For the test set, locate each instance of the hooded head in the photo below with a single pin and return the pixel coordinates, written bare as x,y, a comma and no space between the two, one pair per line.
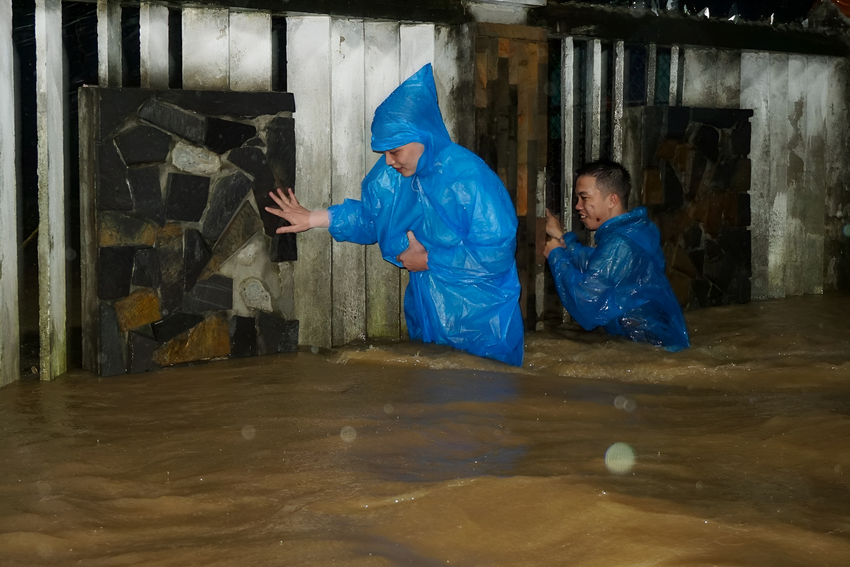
411,114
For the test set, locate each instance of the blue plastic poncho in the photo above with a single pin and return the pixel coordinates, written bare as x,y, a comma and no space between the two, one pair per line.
461,213
620,285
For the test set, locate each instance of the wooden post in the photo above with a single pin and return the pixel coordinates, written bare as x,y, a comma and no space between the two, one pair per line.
777,199
567,129
347,147
381,63
675,76
594,104
206,49
308,53
250,51
50,104
10,344
651,72
618,102
109,53
153,45
813,196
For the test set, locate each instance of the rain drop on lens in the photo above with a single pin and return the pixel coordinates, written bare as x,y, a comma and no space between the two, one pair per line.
619,458
348,434
248,432
388,408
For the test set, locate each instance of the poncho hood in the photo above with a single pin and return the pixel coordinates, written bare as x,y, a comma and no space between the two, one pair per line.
412,114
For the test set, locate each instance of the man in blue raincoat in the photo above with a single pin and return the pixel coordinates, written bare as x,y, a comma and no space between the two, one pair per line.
620,285
436,209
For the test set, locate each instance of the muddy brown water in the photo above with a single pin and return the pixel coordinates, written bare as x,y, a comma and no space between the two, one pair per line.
404,454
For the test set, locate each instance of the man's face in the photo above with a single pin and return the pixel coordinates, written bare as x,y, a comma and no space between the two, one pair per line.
594,206
404,158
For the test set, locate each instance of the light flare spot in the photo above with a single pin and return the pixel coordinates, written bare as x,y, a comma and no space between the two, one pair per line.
348,434
619,458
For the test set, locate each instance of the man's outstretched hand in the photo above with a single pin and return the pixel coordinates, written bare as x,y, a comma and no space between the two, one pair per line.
415,258
300,218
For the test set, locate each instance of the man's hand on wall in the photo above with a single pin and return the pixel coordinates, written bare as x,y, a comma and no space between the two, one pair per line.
300,218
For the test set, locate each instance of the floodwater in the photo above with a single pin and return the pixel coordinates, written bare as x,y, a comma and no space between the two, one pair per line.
734,452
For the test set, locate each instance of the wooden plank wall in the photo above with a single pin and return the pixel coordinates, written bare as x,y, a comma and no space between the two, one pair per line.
511,134
10,343
345,292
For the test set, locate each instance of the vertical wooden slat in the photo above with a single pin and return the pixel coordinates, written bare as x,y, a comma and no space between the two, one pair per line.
675,77
10,344
567,129
153,45
795,154
109,52
206,49
308,54
651,72
777,200
454,65
519,67
594,103
347,145
837,173
728,74
416,48
755,94
50,105
88,227
815,181
381,55
250,51
618,102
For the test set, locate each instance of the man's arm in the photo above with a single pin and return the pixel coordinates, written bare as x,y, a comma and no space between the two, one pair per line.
587,279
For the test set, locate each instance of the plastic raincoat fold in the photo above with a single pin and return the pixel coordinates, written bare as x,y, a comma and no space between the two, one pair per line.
621,285
461,213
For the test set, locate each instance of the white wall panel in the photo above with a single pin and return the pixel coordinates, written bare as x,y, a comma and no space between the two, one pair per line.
250,51
153,45
206,49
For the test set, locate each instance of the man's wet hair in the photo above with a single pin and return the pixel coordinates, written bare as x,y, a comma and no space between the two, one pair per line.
611,177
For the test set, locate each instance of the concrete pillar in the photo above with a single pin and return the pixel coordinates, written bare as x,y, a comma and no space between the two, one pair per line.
50,104
10,345
206,49
675,76
618,102
308,51
153,45
384,294
347,147
109,52
594,103
250,65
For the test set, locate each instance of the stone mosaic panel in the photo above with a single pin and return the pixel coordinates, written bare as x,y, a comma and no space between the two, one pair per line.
696,182
186,261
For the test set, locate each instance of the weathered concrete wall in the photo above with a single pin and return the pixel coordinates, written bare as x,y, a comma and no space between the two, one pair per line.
9,333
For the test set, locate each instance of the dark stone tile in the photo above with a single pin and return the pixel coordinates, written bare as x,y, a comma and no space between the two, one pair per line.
147,192
145,331
674,197
139,308
280,134
146,268
196,254
284,248
112,355
716,297
744,215
697,172
244,105
212,294
707,140
223,135
275,334
141,352
698,260
115,228
739,289
225,197
723,173
678,118
116,105
209,339
737,243
741,176
692,237
243,337
143,144
114,271
245,224
712,249
653,123
254,162
187,197
174,325
700,289
740,139
256,141
169,250
113,191
188,125
719,271
720,117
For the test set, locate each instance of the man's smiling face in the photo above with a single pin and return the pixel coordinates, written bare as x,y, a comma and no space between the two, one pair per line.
594,206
